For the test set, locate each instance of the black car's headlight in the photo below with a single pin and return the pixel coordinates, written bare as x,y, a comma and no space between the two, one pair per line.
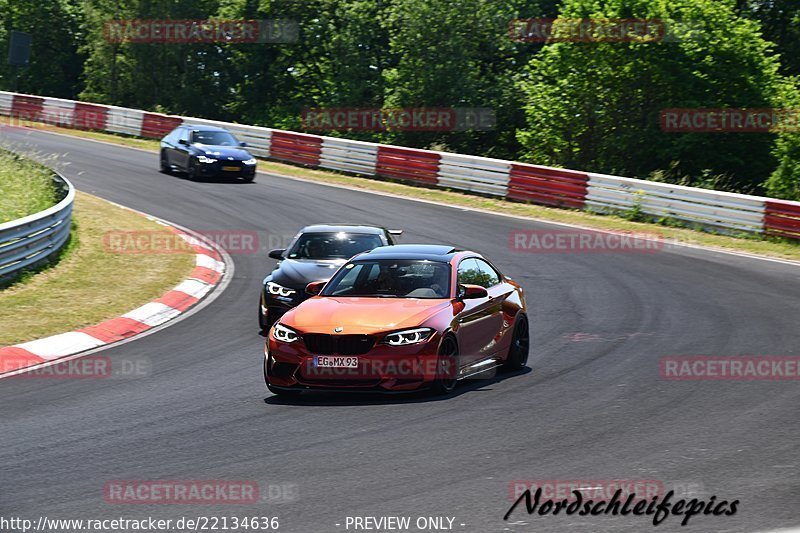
408,336
279,290
251,161
284,334
206,159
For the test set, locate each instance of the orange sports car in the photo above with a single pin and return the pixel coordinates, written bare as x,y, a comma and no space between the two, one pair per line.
400,318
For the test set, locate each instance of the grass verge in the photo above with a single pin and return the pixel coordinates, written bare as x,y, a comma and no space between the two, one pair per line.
91,282
769,247
26,187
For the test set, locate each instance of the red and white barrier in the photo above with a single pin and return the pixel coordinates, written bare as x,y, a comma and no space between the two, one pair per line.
206,274
508,179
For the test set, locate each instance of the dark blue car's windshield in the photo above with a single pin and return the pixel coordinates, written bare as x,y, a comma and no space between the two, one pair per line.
340,245
216,138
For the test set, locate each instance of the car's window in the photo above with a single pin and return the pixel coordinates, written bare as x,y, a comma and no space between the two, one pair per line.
490,276
183,134
172,138
477,272
215,138
340,245
391,278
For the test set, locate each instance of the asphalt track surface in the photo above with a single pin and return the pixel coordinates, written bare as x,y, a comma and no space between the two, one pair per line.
592,407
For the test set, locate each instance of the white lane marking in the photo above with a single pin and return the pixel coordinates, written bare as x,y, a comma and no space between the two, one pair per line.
203,260
153,313
193,287
219,288
60,345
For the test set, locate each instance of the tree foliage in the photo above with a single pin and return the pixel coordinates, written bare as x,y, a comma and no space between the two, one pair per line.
593,106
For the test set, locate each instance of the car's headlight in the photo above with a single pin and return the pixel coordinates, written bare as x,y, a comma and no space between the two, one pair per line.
408,336
284,334
204,159
250,161
279,290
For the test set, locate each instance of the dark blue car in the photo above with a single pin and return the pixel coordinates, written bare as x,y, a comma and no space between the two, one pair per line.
206,152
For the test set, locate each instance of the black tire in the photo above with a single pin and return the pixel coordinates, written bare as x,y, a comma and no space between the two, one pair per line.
164,167
191,170
263,324
275,390
249,179
520,345
446,367
265,321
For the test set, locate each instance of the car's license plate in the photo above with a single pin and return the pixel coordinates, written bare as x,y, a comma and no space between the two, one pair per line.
335,361
231,169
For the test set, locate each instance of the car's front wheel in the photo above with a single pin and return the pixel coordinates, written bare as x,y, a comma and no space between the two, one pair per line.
191,170
446,366
520,345
164,164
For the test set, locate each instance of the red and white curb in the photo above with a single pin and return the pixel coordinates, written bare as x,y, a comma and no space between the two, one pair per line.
211,266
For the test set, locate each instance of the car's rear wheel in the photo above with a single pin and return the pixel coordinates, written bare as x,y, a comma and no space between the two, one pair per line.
163,164
446,366
275,390
520,345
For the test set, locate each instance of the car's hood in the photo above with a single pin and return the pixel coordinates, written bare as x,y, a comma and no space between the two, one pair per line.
322,314
224,152
297,274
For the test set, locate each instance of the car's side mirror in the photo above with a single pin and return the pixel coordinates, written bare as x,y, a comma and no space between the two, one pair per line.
184,142
315,287
277,253
242,144
471,292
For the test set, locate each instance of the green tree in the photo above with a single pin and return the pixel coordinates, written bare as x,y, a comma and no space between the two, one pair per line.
55,63
784,182
596,105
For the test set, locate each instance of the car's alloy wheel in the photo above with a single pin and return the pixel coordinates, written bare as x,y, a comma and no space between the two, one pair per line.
520,345
446,366
165,168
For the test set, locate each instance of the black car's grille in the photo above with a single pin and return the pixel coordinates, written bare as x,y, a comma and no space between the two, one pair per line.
322,344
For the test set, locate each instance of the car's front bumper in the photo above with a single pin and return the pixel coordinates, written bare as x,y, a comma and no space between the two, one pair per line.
384,368
231,169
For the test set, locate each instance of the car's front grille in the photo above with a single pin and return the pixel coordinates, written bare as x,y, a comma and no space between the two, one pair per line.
322,344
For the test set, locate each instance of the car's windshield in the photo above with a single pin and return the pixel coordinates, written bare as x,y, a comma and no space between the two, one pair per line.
338,245
391,279
216,138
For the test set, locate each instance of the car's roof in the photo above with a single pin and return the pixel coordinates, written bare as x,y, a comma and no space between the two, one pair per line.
201,127
344,228
433,252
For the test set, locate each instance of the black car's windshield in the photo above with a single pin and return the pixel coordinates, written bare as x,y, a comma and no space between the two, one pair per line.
339,245
216,138
391,279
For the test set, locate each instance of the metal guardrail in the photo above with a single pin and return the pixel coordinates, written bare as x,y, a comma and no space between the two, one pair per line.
720,211
28,242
